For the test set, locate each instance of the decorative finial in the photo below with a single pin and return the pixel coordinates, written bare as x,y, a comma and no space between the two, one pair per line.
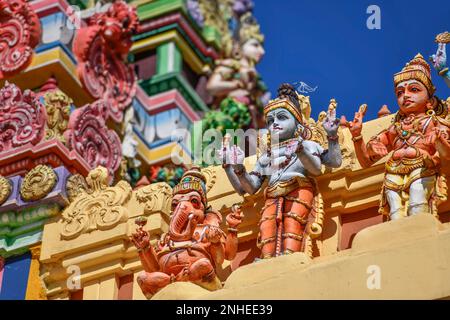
384,111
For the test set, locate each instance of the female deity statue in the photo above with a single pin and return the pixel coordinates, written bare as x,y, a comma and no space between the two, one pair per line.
418,137
235,79
289,213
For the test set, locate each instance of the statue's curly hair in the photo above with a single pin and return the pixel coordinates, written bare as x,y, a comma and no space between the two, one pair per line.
287,91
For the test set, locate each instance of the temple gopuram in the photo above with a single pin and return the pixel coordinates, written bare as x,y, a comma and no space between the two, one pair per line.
104,108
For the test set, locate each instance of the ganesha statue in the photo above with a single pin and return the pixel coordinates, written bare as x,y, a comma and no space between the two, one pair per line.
419,141
195,244
292,214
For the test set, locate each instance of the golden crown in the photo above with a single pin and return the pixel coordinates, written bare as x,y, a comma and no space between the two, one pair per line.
192,180
417,69
283,103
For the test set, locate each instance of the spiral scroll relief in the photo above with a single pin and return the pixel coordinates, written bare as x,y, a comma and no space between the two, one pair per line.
38,183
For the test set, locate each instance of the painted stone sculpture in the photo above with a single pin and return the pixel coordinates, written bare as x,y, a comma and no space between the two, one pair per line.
89,136
235,80
101,48
418,138
58,105
439,59
195,243
22,118
20,33
291,215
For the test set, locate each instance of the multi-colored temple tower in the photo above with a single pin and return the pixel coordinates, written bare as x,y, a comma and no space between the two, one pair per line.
96,96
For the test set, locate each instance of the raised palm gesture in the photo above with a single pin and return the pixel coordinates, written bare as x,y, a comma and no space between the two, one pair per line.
355,126
330,123
439,59
232,155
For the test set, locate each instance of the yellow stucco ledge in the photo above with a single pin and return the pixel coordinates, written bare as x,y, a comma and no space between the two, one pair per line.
404,259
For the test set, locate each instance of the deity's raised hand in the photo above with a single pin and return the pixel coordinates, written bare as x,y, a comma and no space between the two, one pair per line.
355,126
439,59
230,155
234,218
140,238
330,123
377,149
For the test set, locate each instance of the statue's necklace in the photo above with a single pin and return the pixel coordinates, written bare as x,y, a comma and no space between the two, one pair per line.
405,133
290,145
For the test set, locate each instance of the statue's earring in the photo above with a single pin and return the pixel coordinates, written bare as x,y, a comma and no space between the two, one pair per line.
298,132
430,107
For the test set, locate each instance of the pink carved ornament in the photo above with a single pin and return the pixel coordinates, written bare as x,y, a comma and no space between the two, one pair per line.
22,117
20,32
89,136
101,49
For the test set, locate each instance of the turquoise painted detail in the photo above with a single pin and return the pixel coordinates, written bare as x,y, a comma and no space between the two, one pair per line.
20,244
19,230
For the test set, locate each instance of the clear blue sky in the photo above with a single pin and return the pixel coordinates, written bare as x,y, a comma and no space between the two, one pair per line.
326,43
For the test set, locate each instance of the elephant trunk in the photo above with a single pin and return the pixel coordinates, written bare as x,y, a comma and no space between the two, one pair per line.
183,222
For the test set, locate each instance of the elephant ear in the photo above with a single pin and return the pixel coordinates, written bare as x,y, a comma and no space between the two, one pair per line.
213,217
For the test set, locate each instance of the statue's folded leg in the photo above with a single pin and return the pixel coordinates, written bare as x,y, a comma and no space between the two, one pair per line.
297,207
201,269
202,273
152,282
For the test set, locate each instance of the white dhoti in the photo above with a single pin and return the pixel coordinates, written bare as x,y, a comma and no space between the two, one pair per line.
409,194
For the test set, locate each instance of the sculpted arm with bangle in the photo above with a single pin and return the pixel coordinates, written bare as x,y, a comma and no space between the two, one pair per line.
376,148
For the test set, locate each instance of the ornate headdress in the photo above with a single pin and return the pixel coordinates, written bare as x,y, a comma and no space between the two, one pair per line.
249,29
287,99
192,180
417,69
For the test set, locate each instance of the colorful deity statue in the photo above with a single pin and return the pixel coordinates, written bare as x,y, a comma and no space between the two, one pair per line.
290,216
418,137
235,79
439,59
195,244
